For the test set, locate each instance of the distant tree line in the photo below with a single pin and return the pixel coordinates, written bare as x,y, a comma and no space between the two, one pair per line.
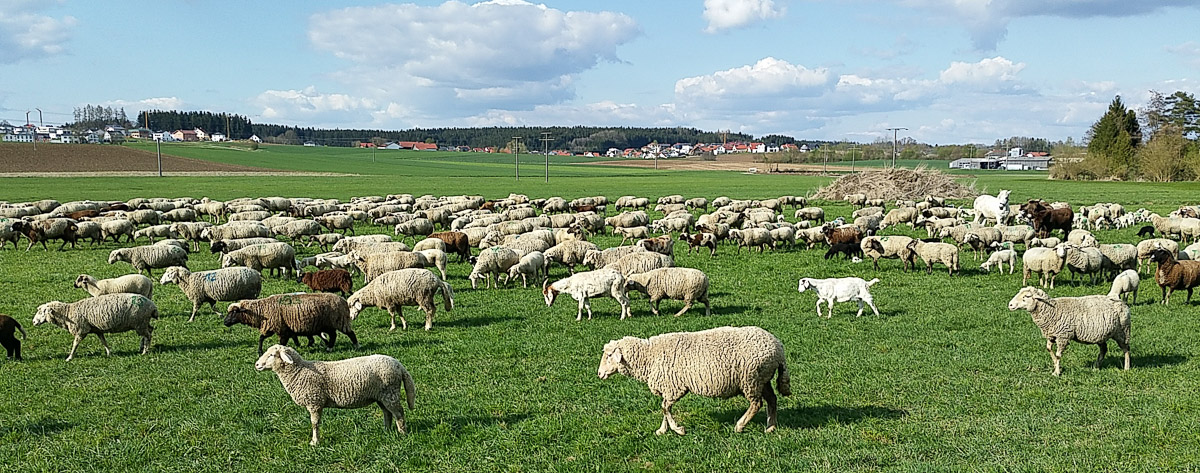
93,117
235,127
1159,145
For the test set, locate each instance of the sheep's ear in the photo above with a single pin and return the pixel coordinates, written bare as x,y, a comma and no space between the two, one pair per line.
285,357
616,356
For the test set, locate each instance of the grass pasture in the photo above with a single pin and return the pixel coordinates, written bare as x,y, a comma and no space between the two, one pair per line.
947,379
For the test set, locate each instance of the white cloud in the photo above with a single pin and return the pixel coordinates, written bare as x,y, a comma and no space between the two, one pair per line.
153,103
996,74
726,14
1189,51
309,105
26,34
744,87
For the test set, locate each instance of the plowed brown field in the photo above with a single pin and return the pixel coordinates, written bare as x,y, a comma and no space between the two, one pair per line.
81,159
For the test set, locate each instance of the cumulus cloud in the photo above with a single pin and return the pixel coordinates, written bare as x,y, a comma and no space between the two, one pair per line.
479,52
1189,51
746,86
727,14
309,105
987,21
27,34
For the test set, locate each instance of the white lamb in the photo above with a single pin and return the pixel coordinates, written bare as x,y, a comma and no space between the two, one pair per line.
1125,283
840,290
532,263
999,258
584,285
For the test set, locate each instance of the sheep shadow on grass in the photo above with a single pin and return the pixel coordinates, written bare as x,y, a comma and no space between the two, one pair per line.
1145,361
811,417
41,428
476,321
457,423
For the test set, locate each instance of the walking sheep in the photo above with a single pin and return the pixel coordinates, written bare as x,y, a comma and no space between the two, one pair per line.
131,283
586,285
329,280
347,384
1047,262
569,253
8,328
840,290
149,257
109,313
720,363
278,257
405,287
640,262
532,264
999,258
294,315
218,285
931,253
491,264
680,284
891,247
1088,319
1175,275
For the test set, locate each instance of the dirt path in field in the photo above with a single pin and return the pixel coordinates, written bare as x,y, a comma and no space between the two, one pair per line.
79,160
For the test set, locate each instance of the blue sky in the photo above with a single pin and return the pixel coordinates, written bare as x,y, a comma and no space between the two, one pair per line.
952,71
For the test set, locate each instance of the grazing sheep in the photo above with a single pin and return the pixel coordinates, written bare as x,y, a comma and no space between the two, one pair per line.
329,280
891,247
1088,319
1173,275
343,222
680,284
108,313
596,259
569,253
1082,238
234,231
131,283
149,257
999,258
857,200
1084,260
835,233
118,228
394,289
157,231
1118,257
190,231
930,253
1047,262
752,237
297,229
374,264
294,315
532,263
348,244
226,246
413,228
1050,242
664,245
640,262
324,240
840,290
346,384
699,239
218,285
848,250
1125,283
1147,230
720,363
982,239
278,257
8,328
898,216
430,243
456,242
632,233
811,236
586,285
436,258
490,264
816,214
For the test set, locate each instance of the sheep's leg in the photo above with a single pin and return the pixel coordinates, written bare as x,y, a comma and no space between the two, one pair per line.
654,306
830,312
74,345
1166,291
329,342
768,394
314,416
1103,351
668,419
260,341
103,341
687,304
819,307
871,302
579,312
755,405
1061,346
195,308
1025,279
403,321
1125,348
860,308
587,304
387,415
429,311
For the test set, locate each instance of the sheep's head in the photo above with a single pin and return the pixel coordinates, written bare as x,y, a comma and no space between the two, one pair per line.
356,306
612,360
1027,298
236,314
549,293
805,284
1160,255
115,255
276,355
46,312
83,280
172,275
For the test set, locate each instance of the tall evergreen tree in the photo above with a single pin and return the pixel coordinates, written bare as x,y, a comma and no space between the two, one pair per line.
1113,140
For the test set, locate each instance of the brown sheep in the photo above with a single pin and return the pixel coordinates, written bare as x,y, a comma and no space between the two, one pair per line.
1175,275
700,239
294,315
1046,219
845,234
329,280
8,328
456,242
661,244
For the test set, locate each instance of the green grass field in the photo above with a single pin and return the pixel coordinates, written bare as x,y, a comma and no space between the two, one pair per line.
947,379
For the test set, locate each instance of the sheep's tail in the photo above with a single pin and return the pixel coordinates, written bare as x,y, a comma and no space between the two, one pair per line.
21,329
872,282
783,383
448,295
410,390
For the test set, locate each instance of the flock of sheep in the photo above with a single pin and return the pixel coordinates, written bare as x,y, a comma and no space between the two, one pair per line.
522,238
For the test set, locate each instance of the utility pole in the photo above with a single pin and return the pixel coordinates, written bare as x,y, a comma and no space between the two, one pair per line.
546,152
40,122
852,149
516,149
825,161
228,132
895,131
158,147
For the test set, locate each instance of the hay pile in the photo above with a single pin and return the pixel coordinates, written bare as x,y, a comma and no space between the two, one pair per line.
900,183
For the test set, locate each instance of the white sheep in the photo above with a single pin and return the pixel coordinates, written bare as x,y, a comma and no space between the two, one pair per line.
1047,262
840,290
149,257
1049,242
586,285
632,233
430,243
348,384
681,284
108,313
532,263
394,289
491,264
930,253
569,253
131,283
890,247
277,257
596,259
999,258
218,285
434,257
640,262
1125,283
721,363
1088,319
156,231
1084,260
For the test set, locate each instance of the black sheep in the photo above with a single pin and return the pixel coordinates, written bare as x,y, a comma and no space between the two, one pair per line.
846,249
1146,230
8,328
